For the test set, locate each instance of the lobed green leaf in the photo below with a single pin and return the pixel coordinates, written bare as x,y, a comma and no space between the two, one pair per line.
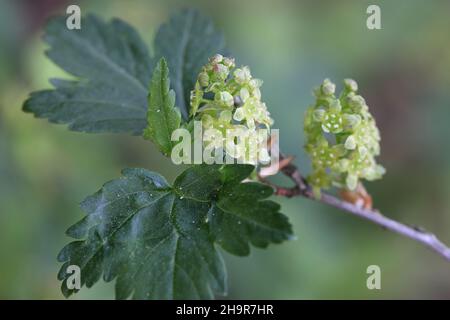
112,67
158,241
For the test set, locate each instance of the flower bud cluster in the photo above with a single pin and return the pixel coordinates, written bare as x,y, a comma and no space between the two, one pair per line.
342,138
229,98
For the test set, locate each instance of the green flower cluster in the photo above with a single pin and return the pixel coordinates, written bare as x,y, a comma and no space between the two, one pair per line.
229,98
342,138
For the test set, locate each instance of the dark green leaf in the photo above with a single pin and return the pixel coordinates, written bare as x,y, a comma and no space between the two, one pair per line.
241,215
235,174
162,116
199,182
157,241
187,41
113,69
154,241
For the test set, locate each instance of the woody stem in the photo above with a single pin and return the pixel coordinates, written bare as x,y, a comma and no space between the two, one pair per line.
301,188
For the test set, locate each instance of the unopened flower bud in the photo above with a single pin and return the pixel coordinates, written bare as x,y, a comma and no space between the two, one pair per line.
228,62
217,58
335,106
350,143
357,101
352,119
203,79
328,87
244,94
221,71
226,98
242,75
319,115
351,85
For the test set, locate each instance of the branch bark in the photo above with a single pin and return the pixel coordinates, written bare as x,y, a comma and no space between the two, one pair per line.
302,189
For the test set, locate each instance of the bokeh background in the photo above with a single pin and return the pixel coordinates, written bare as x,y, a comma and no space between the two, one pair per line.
402,70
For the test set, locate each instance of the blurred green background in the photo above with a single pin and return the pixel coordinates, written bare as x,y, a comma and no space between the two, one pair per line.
402,70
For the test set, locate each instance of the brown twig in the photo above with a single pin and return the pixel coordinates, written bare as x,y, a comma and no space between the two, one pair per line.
301,188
